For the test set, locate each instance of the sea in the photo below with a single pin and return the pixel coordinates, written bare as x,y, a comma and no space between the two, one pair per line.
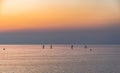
60,58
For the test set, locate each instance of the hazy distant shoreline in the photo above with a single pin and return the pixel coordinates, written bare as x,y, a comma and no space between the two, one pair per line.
58,44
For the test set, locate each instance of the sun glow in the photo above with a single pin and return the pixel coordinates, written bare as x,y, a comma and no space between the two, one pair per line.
52,14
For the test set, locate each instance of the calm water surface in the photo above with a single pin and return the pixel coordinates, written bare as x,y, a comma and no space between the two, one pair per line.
60,59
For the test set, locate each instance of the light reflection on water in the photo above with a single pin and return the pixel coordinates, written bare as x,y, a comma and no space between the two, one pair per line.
60,59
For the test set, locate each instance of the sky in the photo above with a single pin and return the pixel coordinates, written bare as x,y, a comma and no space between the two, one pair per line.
59,21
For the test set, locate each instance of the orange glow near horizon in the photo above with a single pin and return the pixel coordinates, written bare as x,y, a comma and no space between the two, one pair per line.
39,14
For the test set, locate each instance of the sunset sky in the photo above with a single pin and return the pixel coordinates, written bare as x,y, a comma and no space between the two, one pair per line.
28,19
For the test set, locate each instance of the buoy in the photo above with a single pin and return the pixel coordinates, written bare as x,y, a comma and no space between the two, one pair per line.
90,49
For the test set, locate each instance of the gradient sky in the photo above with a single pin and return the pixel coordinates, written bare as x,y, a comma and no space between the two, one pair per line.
59,21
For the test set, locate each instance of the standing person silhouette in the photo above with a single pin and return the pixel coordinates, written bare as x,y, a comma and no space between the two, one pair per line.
85,46
43,46
72,46
51,46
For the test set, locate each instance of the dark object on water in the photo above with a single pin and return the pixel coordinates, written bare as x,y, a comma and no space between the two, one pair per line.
72,47
43,46
85,46
51,46
90,49
3,48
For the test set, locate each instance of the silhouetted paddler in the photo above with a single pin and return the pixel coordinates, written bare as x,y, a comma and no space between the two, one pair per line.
51,46
72,46
43,46
85,46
